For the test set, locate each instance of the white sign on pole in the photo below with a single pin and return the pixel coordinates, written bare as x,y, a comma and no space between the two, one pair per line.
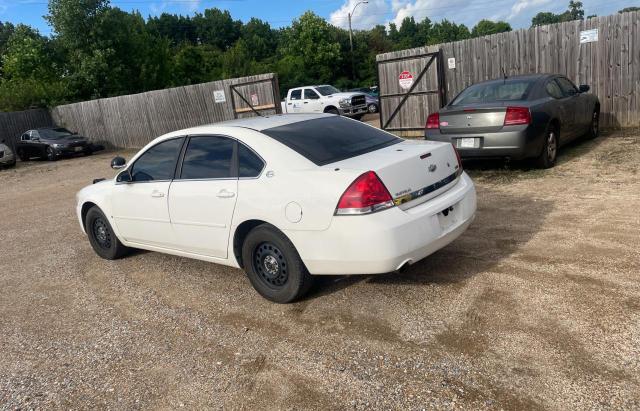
588,36
451,61
219,97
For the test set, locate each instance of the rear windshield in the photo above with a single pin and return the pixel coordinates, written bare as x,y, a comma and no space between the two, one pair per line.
509,90
330,139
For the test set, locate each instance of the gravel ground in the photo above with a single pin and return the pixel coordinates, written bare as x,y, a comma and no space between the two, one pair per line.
536,306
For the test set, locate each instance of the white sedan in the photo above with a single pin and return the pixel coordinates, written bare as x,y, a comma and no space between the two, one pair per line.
284,197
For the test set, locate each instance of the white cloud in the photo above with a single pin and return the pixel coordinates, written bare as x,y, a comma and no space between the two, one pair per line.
522,5
365,16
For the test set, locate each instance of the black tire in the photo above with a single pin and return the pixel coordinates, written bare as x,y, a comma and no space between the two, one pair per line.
274,266
22,154
549,154
333,111
358,117
372,108
101,236
594,127
51,154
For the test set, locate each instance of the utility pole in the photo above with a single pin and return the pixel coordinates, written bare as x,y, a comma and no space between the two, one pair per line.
353,69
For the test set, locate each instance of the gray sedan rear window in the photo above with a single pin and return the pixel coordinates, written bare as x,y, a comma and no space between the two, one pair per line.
330,139
509,90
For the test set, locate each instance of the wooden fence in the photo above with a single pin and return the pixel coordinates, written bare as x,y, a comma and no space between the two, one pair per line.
610,65
132,121
13,124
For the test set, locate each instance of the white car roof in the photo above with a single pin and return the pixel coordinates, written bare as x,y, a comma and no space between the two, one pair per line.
257,123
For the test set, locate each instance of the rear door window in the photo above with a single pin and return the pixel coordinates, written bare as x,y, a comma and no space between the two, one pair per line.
208,157
330,139
249,164
157,163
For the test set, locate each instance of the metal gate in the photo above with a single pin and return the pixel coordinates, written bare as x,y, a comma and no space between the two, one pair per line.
411,87
258,97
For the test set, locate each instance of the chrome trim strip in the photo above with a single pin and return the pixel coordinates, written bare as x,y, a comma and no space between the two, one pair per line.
428,189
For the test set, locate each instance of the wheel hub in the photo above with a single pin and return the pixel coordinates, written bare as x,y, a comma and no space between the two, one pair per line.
270,265
101,233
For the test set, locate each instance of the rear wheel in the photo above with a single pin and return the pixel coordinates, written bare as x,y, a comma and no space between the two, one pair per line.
22,153
547,157
274,266
594,128
101,236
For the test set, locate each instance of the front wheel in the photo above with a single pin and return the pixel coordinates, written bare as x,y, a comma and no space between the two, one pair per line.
22,154
51,154
333,111
274,266
101,236
372,108
547,157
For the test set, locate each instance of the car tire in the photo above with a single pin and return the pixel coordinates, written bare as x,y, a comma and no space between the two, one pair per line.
333,111
372,108
549,154
594,127
273,265
51,154
22,154
101,236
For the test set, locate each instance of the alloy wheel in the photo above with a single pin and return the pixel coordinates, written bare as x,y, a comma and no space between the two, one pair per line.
552,146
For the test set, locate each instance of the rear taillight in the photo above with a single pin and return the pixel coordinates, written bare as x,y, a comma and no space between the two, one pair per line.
367,194
459,169
516,116
433,121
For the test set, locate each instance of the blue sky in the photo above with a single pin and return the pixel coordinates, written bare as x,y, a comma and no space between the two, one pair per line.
281,12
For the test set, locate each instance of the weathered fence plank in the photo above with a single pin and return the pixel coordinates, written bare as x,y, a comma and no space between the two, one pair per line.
13,124
611,66
132,121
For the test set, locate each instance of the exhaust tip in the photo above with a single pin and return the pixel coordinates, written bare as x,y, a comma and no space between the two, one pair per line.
403,266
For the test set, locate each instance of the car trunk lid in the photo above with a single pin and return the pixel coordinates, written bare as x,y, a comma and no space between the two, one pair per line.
470,119
412,171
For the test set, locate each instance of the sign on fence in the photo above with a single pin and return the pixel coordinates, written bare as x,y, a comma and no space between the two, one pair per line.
588,36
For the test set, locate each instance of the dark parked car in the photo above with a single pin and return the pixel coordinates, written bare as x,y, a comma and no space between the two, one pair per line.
52,143
517,118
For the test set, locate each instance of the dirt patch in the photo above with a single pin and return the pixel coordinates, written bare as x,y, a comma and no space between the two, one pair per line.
537,305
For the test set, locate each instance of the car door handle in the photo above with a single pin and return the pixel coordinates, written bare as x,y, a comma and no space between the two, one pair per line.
225,194
156,193
306,102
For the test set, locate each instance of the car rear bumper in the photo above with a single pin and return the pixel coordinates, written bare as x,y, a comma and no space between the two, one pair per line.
385,241
68,151
517,143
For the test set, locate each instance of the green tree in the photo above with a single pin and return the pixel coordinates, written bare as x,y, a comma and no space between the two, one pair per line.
629,9
575,11
486,27
216,28
446,31
311,38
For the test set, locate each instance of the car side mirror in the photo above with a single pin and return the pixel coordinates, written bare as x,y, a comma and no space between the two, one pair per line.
118,162
584,88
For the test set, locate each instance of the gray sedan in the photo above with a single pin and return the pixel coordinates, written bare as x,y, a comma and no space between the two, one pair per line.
7,158
517,118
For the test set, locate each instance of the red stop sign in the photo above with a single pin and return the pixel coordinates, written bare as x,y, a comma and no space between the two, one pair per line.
405,79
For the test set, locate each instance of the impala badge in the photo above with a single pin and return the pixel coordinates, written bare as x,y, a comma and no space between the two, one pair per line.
432,168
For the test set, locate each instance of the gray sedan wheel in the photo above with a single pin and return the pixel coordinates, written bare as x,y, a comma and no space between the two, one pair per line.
547,158
594,128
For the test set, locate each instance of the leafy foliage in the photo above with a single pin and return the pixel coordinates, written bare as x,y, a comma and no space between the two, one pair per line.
99,50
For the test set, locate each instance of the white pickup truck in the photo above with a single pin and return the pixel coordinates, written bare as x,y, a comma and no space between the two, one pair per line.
325,99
